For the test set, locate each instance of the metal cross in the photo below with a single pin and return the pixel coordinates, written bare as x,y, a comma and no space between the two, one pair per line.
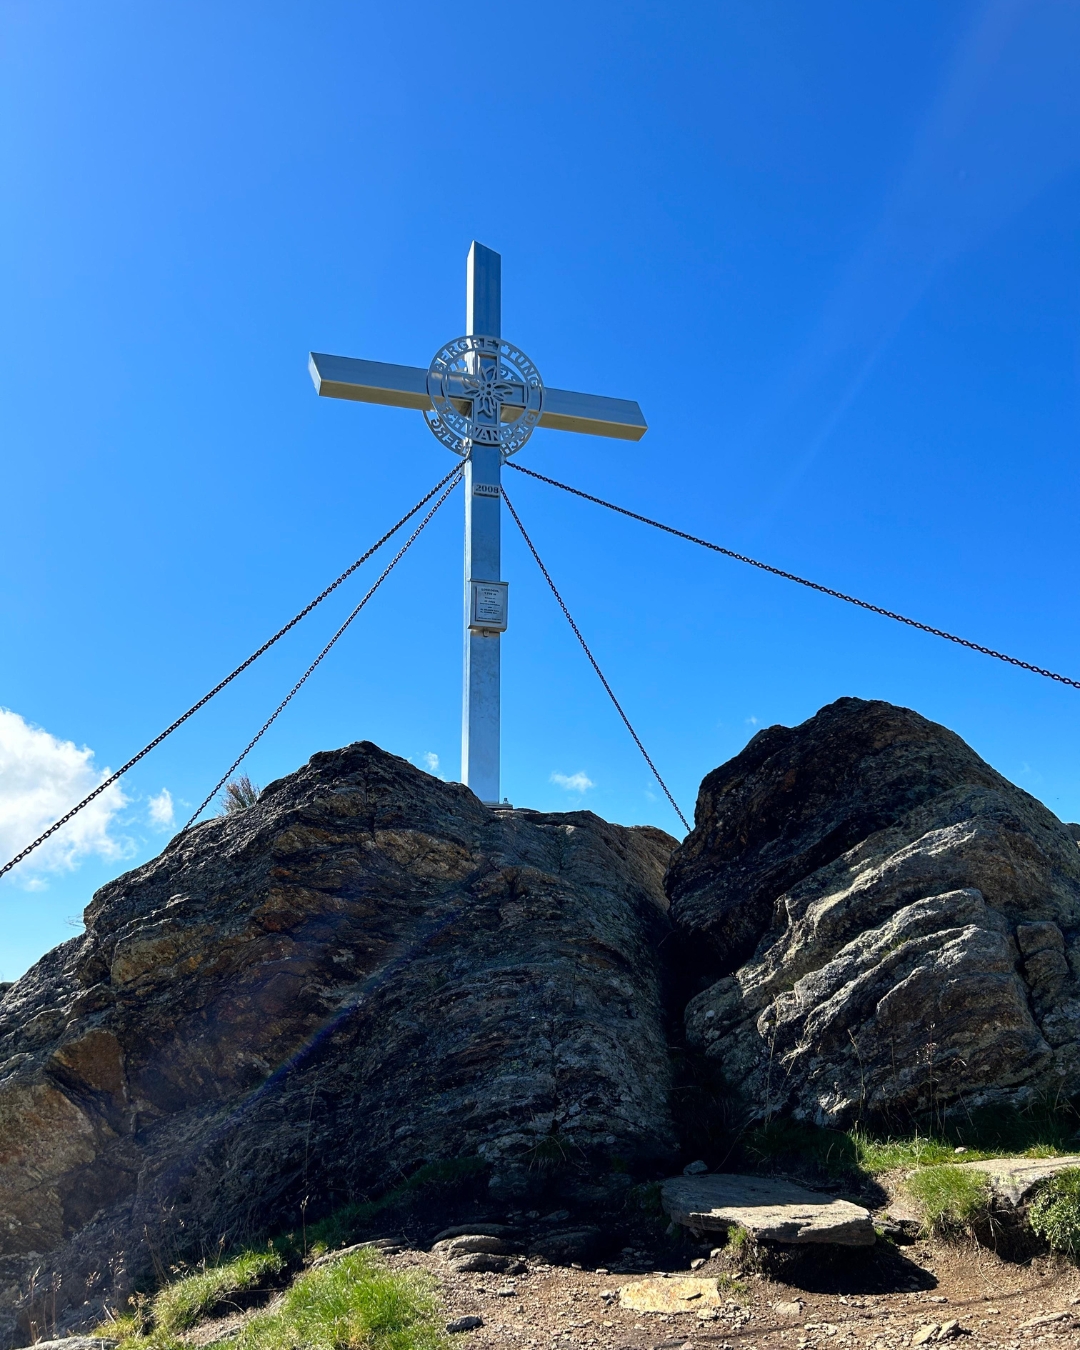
482,397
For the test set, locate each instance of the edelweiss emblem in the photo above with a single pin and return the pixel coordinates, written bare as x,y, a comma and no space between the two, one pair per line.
483,391
489,390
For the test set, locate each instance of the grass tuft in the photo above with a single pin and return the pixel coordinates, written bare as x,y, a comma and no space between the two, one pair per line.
738,1238
951,1198
742,1253
1055,1212
180,1305
914,1150
126,1328
350,1304
353,1303
239,794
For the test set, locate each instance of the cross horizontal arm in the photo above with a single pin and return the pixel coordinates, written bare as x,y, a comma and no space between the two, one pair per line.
593,413
369,381
406,387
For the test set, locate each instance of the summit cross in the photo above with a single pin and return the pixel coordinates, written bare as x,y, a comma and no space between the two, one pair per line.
482,397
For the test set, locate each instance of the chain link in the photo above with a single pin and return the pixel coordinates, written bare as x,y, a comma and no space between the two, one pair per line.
592,661
281,706
586,496
102,787
802,581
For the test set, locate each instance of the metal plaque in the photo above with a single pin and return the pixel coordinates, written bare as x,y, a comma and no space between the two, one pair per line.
487,605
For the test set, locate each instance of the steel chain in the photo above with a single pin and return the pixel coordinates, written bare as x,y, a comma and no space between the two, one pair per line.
101,787
592,660
281,706
813,585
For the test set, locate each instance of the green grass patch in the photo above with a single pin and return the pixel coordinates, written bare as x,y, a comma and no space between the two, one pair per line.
1055,1212
1038,1132
916,1150
738,1238
156,1323
951,1198
180,1305
1041,1130
354,1303
741,1252
841,1154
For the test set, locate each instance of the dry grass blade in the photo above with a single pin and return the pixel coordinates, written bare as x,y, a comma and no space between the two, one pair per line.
239,795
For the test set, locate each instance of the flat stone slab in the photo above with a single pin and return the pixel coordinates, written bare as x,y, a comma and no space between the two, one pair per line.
1015,1180
769,1209
675,1295
79,1343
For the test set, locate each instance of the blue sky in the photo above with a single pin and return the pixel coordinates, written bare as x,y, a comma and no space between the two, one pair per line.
830,249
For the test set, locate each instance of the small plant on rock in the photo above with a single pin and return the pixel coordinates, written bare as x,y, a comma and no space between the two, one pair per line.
1055,1212
741,1253
550,1154
239,794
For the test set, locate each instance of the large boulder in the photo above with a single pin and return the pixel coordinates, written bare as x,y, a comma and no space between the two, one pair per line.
366,971
885,925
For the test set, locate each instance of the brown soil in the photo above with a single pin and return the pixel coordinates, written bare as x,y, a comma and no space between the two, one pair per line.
846,1299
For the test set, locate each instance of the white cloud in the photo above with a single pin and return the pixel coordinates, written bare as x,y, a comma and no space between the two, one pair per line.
162,815
41,777
431,762
573,782
751,721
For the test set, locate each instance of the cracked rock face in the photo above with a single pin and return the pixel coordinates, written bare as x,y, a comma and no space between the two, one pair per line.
895,927
366,971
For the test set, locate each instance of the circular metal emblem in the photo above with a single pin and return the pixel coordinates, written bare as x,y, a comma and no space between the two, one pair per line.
483,391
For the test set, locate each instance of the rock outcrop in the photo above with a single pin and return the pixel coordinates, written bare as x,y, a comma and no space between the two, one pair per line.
300,1004
891,927
1014,1182
366,971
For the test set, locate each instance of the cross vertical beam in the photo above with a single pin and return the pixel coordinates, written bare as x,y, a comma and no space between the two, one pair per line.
473,398
480,712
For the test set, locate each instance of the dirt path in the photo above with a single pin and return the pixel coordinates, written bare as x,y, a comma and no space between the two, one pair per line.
852,1302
